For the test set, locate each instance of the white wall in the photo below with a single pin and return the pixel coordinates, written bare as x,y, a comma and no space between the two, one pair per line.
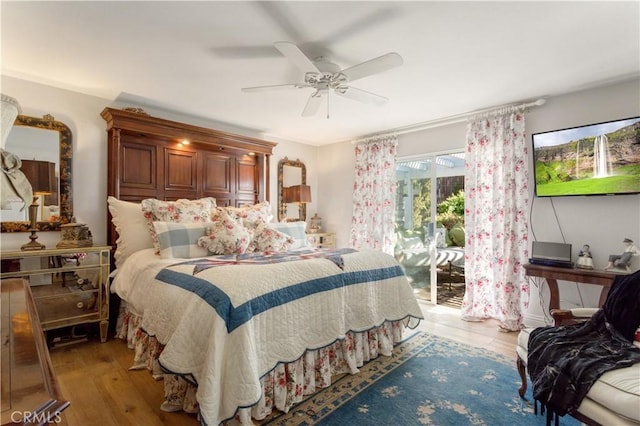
336,174
82,114
600,221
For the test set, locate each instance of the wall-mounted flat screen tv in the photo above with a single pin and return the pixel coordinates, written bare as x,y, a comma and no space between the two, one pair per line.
596,159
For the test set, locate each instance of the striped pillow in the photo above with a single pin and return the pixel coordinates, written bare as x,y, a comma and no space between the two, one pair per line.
180,240
296,230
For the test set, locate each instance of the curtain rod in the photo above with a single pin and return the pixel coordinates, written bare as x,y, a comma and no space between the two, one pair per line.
462,117
451,119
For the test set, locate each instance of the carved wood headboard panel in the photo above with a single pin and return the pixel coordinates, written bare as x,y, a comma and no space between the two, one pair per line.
148,159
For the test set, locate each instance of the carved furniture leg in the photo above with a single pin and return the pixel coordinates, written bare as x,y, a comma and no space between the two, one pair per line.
603,296
554,294
104,328
522,370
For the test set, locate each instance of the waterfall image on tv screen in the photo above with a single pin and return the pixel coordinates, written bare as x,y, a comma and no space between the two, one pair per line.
598,159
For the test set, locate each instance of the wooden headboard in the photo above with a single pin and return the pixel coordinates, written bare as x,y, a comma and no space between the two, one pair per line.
147,158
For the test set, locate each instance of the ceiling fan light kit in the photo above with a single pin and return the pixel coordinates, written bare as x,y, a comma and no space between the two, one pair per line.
326,77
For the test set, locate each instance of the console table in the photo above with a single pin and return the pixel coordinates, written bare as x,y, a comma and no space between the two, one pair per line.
552,274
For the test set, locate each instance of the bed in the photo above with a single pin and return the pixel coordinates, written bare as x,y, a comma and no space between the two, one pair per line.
236,331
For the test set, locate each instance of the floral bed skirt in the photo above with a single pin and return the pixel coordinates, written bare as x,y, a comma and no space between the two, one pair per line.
284,386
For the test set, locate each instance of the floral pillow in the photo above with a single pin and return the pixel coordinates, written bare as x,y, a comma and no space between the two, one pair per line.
249,216
268,239
180,211
226,236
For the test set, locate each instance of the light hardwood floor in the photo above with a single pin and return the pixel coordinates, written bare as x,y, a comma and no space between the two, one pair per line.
94,376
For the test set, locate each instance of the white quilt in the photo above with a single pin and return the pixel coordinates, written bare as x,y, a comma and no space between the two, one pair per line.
229,334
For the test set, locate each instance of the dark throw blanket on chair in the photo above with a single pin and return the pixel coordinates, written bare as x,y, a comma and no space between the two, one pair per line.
564,362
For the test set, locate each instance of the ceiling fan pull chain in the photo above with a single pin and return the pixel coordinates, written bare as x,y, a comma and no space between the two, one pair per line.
328,98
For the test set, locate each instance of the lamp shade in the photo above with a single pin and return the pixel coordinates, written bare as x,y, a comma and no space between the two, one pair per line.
297,194
41,175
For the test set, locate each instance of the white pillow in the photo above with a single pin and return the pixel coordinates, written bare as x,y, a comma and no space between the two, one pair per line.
296,230
180,239
131,226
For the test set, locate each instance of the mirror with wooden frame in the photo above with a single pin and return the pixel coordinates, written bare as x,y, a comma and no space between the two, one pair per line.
291,173
42,139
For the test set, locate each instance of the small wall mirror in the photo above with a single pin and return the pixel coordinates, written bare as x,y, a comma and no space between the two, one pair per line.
291,173
42,139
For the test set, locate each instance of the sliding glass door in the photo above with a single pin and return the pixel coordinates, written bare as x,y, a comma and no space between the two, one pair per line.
430,225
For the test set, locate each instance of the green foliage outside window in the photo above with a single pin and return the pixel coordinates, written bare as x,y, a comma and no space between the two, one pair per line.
453,206
421,203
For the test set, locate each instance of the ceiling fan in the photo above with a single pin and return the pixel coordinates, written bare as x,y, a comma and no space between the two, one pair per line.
325,77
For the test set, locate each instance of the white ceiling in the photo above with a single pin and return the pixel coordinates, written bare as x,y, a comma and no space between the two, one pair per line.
194,57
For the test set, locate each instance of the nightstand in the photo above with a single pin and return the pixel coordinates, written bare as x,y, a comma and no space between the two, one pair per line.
322,239
69,286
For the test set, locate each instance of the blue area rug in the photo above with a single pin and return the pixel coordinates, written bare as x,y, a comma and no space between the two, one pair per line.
428,381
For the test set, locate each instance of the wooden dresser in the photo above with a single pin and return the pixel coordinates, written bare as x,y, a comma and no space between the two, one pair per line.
30,391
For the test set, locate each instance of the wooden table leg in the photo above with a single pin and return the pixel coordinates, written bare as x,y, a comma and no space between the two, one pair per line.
603,296
104,328
522,370
554,300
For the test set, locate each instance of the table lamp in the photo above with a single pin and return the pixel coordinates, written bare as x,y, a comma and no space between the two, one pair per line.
41,175
300,194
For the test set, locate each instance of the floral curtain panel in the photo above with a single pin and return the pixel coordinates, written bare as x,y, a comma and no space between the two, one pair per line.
374,191
496,206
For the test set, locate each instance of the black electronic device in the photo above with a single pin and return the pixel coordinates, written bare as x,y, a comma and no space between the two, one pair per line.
551,254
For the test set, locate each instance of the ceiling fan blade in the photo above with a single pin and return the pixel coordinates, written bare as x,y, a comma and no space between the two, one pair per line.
362,96
295,55
313,103
274,87
373,66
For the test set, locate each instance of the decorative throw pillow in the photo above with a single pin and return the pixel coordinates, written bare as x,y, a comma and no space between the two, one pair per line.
180,239
180,211
269,239
226,236
131,226
249,216
296,230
